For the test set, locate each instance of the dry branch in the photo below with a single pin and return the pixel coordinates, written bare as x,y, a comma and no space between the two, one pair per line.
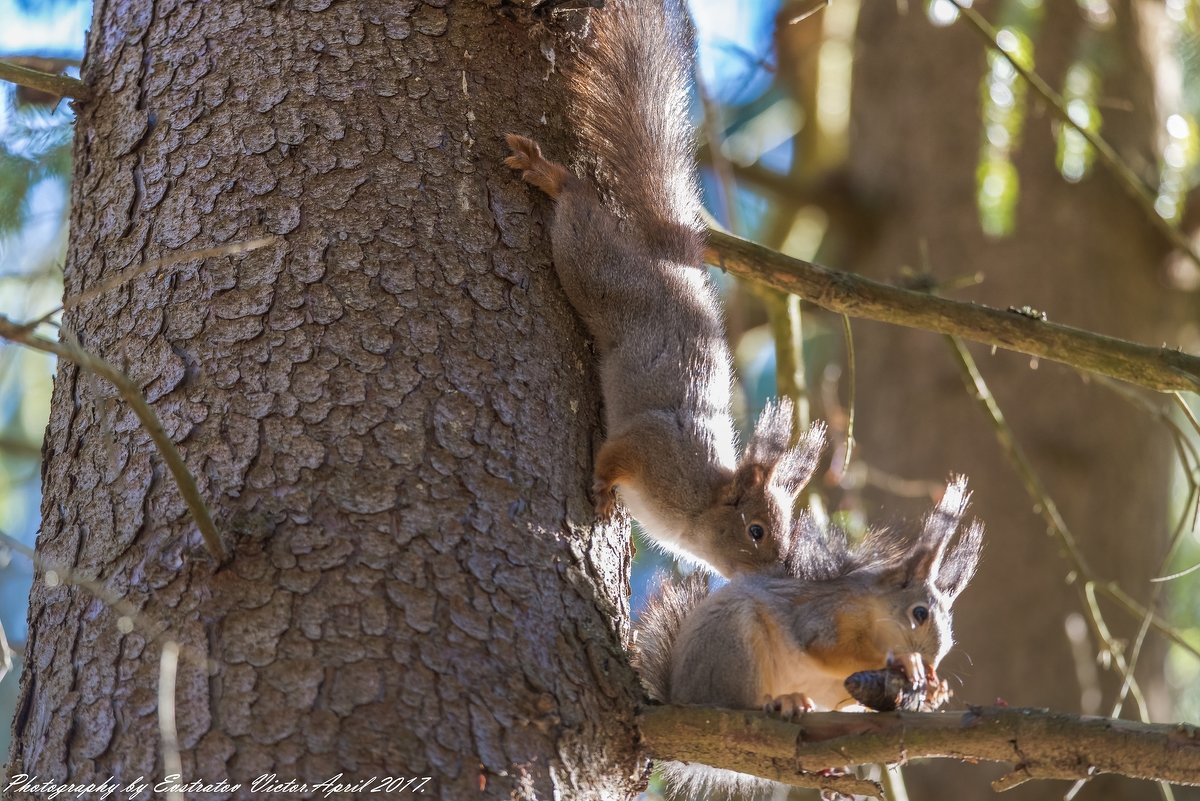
145,414
23,334
1162,369
1039,743
57,85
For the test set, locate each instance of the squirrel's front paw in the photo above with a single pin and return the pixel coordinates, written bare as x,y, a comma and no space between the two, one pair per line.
912,667
788,707
905,683
605,496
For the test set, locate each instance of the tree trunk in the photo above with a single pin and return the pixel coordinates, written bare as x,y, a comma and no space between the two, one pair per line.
389,412
1085,254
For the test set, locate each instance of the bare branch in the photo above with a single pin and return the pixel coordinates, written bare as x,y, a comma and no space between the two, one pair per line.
6,654
174,259
65,575
20,447
23,334
1039,743
168,732
149,420
1057,527
1162,369
58,85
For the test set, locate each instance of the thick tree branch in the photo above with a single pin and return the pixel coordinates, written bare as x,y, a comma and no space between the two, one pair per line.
58,85
1162,369
1039,743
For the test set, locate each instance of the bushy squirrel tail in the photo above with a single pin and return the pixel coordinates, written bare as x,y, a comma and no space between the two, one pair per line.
630,97
658,629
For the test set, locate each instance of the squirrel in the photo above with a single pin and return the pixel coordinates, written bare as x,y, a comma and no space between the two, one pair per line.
787,644
631,267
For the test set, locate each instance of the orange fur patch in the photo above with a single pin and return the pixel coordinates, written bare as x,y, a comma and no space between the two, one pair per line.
618,462
854,647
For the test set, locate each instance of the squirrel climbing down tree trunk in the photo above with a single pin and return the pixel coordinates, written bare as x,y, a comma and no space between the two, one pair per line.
631,266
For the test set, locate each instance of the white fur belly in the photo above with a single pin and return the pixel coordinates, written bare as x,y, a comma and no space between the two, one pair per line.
667,532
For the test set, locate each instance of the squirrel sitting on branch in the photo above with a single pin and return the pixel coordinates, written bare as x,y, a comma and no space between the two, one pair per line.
794,643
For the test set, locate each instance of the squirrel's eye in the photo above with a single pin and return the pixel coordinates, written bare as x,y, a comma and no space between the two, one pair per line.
756,532
920,614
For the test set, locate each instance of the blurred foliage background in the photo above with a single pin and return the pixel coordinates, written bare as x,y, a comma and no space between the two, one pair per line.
758,121
35,167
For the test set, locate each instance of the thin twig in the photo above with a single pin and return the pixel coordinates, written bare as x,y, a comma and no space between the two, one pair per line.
1125,176
119,605
1049,510
783,310
6,654
784,321
59,85
1187,571
1114,593
1126,668
1115,652
129,616
151,266
145,414
1189,460
852,379
168,664
1016,456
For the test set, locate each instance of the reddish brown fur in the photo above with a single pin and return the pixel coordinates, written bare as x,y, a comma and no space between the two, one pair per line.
855,646
842,611
618,462
626,258
546,175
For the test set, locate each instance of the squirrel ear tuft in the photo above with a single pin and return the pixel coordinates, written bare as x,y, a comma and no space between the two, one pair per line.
796,467
954,565
790,466
772,433
959,563
943,521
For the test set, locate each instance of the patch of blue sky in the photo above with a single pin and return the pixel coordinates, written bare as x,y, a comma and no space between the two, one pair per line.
44,28
25,251
734,42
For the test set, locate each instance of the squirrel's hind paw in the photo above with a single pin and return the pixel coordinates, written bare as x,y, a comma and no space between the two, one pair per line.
524,152
526,156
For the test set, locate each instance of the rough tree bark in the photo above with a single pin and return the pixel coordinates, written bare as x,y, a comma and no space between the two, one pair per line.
1086,255
389,412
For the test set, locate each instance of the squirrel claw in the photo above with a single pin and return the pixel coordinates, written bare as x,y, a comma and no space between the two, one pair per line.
606,501
913,667
788,707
